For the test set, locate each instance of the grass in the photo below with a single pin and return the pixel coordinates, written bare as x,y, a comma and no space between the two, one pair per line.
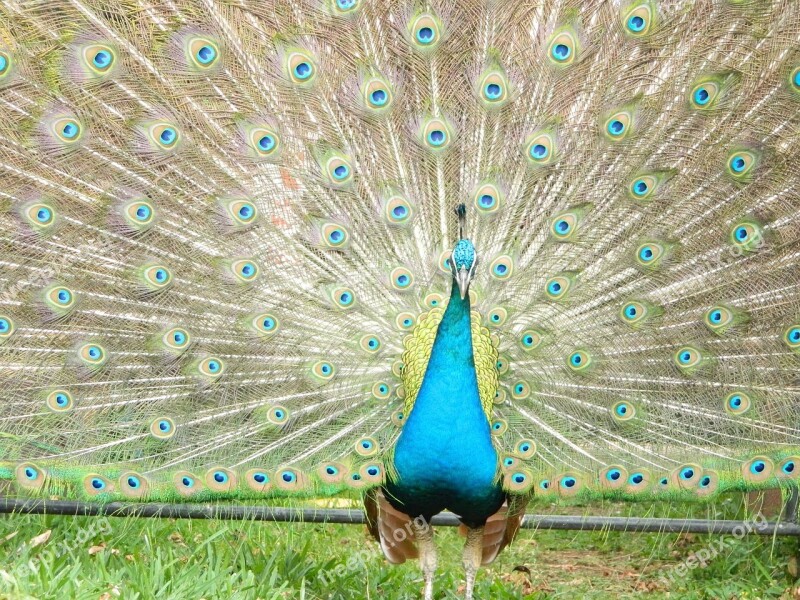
104,559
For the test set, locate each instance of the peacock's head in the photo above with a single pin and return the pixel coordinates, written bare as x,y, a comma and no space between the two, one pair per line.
463,261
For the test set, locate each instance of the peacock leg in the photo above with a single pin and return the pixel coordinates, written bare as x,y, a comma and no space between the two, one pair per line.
423,532
473,553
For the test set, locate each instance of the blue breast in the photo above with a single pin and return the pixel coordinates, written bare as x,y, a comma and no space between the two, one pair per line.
444,457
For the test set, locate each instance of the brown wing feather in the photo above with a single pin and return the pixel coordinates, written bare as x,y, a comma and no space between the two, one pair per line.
390,527
502,527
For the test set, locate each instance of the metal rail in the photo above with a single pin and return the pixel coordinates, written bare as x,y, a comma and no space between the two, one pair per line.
348,516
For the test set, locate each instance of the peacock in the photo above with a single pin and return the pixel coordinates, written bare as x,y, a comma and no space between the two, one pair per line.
435,255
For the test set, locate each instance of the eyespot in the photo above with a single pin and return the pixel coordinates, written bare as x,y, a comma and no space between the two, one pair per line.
343,297
794,78
265,324
499,397
510,462
157,277
526,448
564,226
758,469
686,476
370,343
444,262
402,279
789,468
134,485
61,299
792,337
278,415
618,125
398,211
367,446
568,485
638,481
708,483
397,368
747,235
531,339
5,64
211,367
245,270
545,485
30,476
488,199
176,341
186,483
688,359
425,32
502,365
339,170
258,480
99,59
579,361
59,401
436,134
241,212
381,390
378,94
638,21
264,141
68,130
520,390
323,370
398,418
494,88
40,216
405,321
92,355
434,300
334,235
623,411
332,472
203,52
642,187
345,6
704,94
94,485
557,288
139,215
650,254
162,428
540,149
741,163
718,318
301,68
498,427
371,473
220,479
737,403
497,316
165,135
633,312
562,49
613,477
502,267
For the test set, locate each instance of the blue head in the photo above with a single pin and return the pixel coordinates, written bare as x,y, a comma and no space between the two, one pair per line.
464,258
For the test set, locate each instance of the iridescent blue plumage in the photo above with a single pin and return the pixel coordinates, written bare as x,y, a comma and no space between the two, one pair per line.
444,457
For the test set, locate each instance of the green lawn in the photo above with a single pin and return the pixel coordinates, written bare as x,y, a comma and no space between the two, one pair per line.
84,558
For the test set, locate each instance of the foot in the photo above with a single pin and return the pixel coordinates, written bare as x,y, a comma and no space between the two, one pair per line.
423,532
473,553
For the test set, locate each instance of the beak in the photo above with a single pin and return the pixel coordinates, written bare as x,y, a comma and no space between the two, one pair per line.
463,278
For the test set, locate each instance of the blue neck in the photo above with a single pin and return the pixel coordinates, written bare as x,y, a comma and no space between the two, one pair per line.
445,448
